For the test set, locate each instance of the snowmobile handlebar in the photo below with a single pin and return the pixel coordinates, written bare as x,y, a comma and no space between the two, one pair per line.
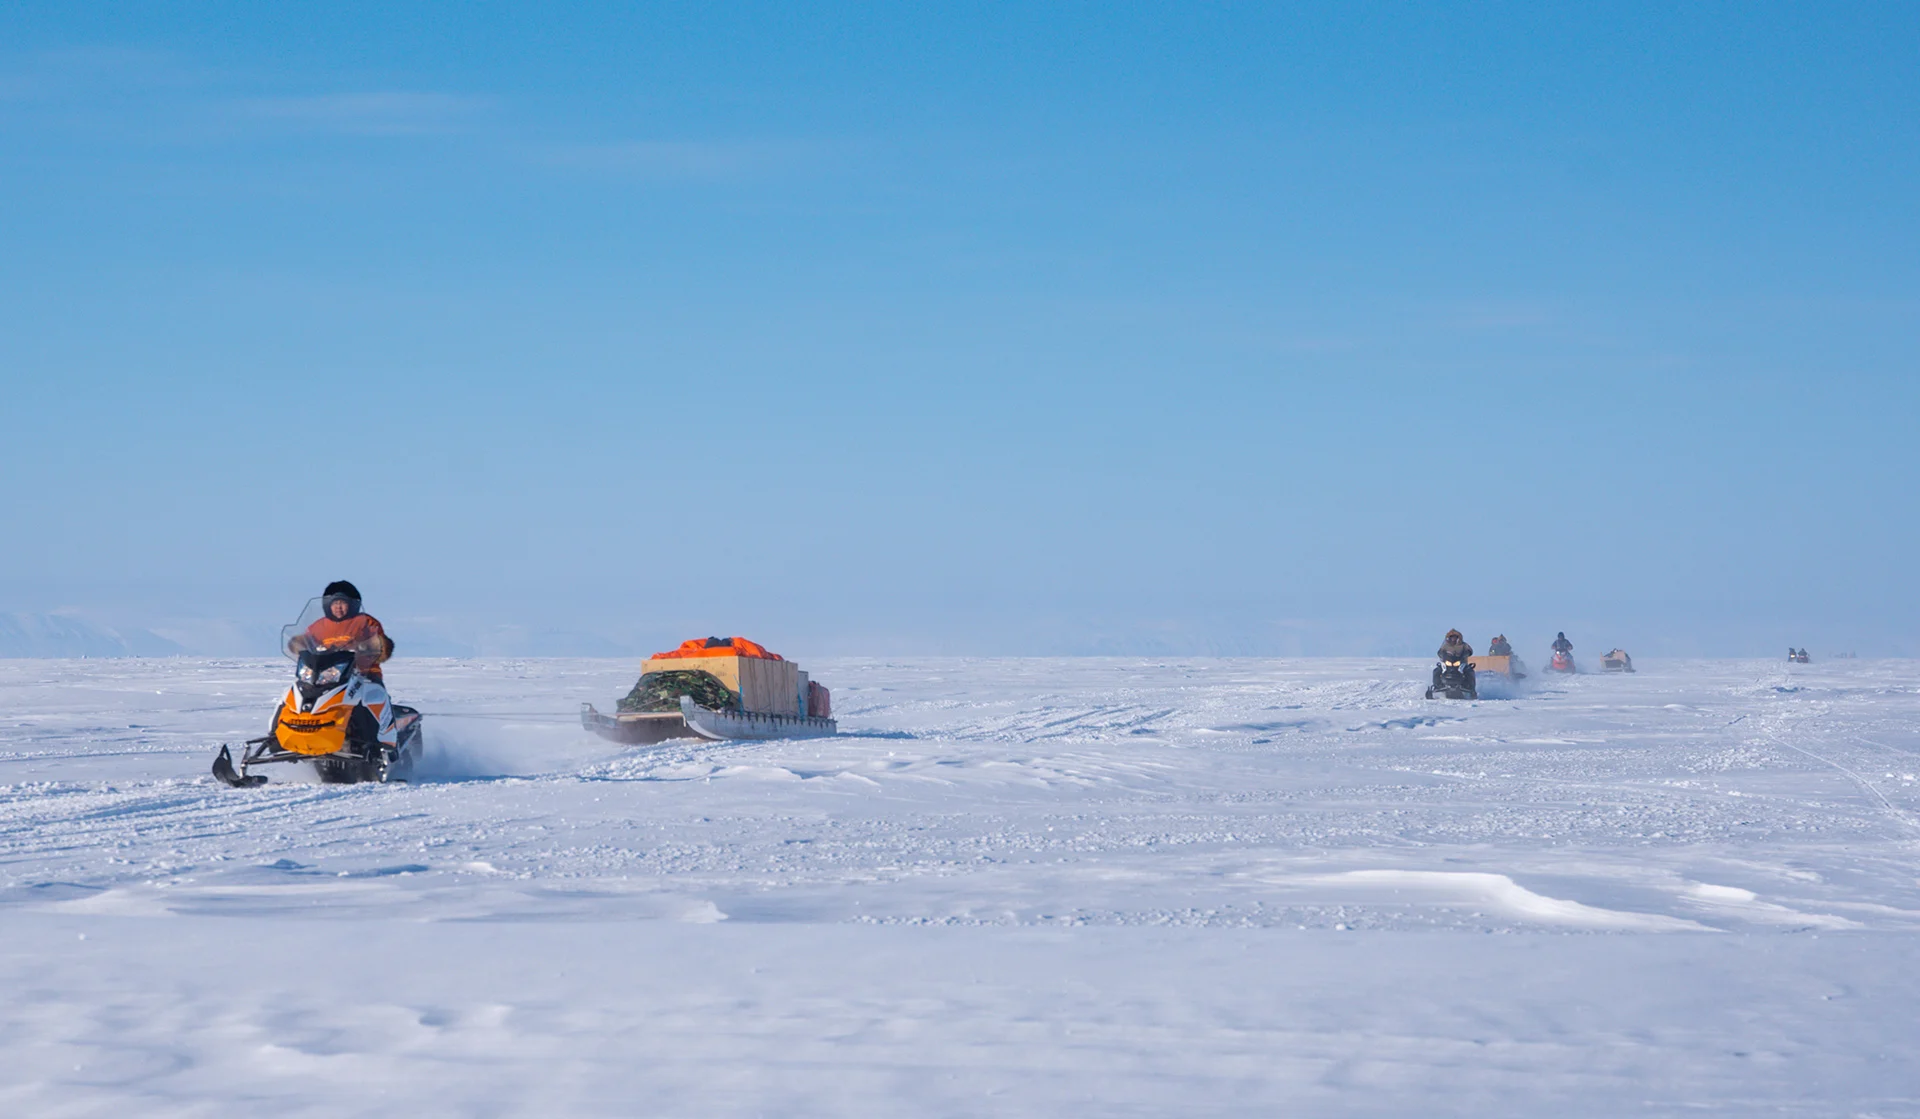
306,643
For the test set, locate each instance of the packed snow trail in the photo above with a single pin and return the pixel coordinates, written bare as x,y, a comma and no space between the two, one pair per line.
1242,884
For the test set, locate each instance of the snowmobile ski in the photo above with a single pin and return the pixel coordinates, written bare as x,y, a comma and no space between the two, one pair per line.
223,769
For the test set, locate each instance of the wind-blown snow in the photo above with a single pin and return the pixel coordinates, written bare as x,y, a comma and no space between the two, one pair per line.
1011,887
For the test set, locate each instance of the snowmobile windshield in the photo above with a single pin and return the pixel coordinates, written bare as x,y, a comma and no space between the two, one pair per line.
294,638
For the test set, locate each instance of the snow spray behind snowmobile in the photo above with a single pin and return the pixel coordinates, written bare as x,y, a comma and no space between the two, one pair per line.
1453,678
334,716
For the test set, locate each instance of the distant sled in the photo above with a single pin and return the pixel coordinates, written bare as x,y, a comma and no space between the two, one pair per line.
1497,677
717,688
1507,667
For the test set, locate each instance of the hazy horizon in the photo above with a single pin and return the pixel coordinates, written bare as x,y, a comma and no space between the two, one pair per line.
439,637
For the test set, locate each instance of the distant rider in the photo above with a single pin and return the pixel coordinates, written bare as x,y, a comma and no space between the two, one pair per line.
1499,647
1562,645
343,626
1455,648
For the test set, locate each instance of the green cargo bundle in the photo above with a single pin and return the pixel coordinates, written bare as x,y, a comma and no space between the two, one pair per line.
661,691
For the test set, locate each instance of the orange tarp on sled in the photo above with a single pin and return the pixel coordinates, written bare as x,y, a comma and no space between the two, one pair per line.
720,647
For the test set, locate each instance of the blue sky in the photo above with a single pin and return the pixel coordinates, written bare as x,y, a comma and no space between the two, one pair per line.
974,328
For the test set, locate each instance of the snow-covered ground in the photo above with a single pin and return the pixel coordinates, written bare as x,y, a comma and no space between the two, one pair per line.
1012,887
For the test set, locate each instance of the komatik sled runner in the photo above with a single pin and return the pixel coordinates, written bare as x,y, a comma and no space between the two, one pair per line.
334,718
717,688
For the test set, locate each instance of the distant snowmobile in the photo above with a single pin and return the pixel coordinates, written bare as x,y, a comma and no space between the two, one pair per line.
335,717
1562,655
1453,679
1798,656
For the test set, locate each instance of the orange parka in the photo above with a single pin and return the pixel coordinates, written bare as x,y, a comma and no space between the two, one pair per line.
360,632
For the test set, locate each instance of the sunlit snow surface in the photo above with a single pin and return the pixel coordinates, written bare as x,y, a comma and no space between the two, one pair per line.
1027,887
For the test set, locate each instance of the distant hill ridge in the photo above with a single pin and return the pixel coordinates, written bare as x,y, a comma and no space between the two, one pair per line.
63,635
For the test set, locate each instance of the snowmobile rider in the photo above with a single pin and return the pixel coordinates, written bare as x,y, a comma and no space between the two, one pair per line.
1499,647
1561,644
1455,647
343,626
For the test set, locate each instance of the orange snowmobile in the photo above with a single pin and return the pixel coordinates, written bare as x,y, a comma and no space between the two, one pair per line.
335,716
